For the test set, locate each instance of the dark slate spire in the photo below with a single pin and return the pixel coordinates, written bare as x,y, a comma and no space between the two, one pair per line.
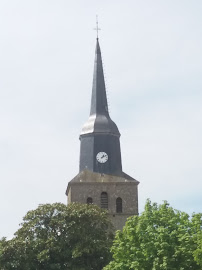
99,99
99,120
100,135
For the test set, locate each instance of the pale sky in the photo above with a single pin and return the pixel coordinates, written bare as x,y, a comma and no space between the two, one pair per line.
152,54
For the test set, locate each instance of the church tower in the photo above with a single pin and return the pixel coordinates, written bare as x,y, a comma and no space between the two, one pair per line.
101,179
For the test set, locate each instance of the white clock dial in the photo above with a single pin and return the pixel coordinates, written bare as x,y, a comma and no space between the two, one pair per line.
102,157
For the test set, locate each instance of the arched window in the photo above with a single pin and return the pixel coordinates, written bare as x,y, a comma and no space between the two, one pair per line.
89,200
119,205
104,200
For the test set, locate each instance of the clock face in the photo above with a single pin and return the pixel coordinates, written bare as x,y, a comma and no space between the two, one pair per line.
102,157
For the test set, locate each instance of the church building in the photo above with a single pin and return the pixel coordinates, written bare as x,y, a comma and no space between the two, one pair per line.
101,179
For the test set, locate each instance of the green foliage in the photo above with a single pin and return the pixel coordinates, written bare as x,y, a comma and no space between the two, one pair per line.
161,238
197,234
76,237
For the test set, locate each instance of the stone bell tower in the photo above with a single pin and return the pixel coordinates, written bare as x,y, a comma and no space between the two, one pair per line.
101,180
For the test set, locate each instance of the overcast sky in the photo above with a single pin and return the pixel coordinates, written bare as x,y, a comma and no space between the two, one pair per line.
152,54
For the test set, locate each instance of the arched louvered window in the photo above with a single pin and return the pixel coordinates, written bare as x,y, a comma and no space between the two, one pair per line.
104,200
119,205
89,200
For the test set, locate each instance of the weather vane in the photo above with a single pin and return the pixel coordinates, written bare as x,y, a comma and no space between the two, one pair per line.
97,28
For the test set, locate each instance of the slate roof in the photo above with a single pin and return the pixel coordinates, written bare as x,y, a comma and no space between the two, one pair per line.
99,120
87,176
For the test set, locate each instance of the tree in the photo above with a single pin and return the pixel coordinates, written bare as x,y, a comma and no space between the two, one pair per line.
161,238
56,236
197,234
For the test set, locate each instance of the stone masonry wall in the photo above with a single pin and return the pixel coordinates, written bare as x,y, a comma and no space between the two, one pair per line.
79,192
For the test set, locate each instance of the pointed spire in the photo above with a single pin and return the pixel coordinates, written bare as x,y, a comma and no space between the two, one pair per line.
99,98
99,121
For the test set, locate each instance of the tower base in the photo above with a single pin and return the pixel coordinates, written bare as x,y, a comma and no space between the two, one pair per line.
118,195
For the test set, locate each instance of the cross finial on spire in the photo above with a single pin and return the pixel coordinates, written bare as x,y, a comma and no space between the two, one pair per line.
97,28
